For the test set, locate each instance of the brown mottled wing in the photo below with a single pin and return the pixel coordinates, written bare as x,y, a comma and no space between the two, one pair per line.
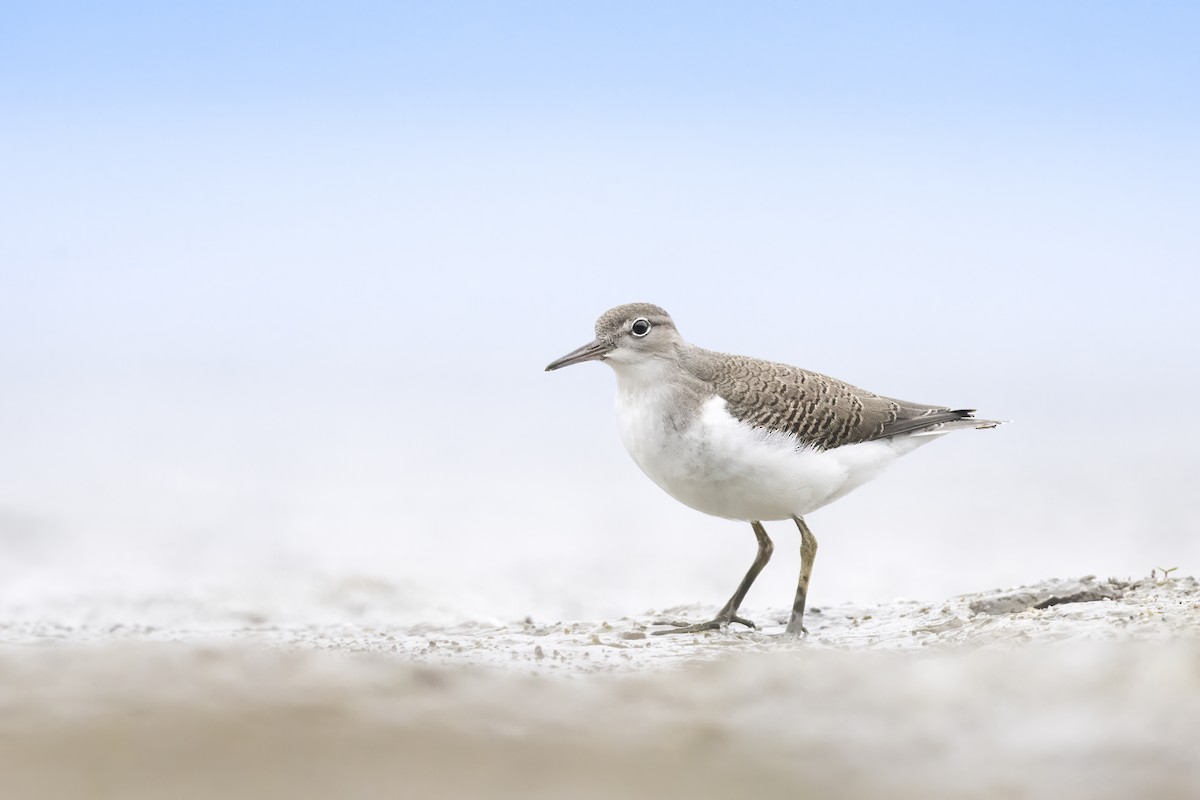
822,412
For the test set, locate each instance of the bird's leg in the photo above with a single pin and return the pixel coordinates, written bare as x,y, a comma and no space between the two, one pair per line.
808,552
728,614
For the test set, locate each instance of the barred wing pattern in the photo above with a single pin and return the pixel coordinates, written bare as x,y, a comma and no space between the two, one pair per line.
822,412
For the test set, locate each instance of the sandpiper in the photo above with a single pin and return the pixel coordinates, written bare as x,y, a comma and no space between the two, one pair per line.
746,439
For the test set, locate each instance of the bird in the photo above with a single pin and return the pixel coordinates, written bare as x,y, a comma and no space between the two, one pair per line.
750,440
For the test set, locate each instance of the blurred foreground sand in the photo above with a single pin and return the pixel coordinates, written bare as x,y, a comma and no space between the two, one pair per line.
1096,693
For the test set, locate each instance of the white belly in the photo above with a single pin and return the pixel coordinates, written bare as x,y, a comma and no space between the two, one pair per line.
728,469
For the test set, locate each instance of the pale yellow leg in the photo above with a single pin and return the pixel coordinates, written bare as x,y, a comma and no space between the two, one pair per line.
808,552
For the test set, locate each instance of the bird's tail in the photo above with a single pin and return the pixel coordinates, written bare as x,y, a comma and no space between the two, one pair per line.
960,424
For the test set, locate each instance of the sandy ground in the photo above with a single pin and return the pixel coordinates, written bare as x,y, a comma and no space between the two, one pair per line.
1080,688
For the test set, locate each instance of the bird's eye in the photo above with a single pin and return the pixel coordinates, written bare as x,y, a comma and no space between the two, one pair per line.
640,327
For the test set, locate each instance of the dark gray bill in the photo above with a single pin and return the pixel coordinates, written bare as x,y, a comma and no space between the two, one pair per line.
592,351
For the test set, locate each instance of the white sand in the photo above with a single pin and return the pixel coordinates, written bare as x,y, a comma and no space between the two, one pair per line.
1096,694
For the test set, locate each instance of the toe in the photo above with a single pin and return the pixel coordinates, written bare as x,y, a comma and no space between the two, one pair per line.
683,627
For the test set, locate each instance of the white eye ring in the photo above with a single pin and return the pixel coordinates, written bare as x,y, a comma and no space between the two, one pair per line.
640,327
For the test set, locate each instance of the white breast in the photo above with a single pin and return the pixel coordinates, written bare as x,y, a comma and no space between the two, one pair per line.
725,468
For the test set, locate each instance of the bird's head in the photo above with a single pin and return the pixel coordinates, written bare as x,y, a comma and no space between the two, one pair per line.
631,336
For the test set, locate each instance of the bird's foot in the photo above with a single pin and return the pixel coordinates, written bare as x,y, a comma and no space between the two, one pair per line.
721,623
795,630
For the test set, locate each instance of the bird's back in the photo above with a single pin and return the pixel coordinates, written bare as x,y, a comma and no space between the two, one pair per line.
820,411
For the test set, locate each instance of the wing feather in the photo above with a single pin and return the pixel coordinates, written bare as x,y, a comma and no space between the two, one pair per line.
820,411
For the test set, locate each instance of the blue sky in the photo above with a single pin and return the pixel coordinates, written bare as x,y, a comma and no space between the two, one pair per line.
301,264
966,61
294,128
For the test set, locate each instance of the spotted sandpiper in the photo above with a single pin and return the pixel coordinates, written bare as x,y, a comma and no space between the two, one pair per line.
746,439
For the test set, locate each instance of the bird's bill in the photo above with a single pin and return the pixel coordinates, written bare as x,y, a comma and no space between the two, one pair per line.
592,351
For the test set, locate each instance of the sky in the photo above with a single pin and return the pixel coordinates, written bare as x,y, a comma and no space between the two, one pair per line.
278,282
